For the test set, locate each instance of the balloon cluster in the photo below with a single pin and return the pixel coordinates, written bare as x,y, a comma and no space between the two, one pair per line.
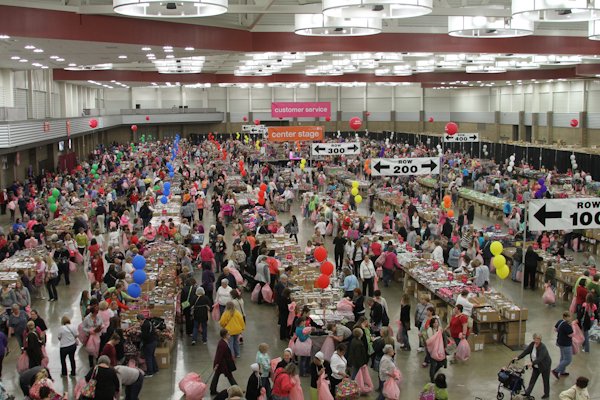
485,152
143,139
52,200
355,123
367,169
247,138
543,189
242,170
258,145
302,163
354,191
439,148
451,128
573,162
502,269
237,135
139,276
94,174
511,163
326,268
447,205
119,155
261,194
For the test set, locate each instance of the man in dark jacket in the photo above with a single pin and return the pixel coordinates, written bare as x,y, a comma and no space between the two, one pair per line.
229,276
379,317
471,213
149,343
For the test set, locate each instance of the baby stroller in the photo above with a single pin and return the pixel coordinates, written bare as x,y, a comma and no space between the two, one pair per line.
511,379
196,243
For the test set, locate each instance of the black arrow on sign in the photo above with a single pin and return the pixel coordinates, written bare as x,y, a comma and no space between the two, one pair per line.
378,167
431,165
449,138
473,137
542,215
354,147
318,149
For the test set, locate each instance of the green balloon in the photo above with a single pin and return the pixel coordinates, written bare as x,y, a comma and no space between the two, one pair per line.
95,166
55,193
53,207
97,176
51,199
120,154
156,187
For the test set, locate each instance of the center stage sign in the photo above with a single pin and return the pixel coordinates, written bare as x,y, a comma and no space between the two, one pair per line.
295,133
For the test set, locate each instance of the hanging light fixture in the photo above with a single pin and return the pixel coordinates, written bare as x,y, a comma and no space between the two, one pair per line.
377,8
556,10
322,25
170,9
488,27
484,69
594,30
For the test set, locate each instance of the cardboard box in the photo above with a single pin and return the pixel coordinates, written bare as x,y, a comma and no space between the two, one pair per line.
493,337
513,327
482,327
515,315
489,316
163,357
148,286
478,342
513,339
479,301
471,341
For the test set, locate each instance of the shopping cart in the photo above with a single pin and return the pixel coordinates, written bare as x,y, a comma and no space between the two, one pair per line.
511,380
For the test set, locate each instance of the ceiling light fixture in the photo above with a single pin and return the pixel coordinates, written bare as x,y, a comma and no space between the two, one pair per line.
15,58
190,49
594,30
484,69
146,48
4,37
170,9
489,27
53,57
556,10
322,25
377,8
122,56
29,47
60,59
97,67
38,51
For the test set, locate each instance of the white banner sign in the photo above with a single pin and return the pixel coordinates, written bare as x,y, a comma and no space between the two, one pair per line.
405,166
341,149
561,214
461,137
255,129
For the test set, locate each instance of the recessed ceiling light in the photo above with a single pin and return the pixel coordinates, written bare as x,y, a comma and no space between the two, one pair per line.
170,56
189,48
167,47
60,59
4,37
168,50
44,67
122,56
146,48
29,47
152,58
113,81
38,51
72,65
22,60
149,55
54,57
15,58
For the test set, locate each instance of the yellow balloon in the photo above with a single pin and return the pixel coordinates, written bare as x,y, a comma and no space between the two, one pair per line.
303,161
301,166
518,244
499,261
355,184
354,191
358,199
496,248
503,272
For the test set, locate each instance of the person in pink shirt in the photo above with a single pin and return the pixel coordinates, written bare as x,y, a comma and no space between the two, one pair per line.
150,232
376,246
388,266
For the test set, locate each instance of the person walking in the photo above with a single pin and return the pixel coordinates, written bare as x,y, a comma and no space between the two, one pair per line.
541,363
586,316
531,264
367,275
339,244
33,345
107,381
357,356
387,368
224,363
564,342
149,343
233,321
17,324
67,336
201,313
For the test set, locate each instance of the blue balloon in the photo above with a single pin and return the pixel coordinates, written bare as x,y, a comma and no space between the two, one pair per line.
139,262
167,186
168,165
171,174
544,189
173,158
134,290
139,276
170,169
164,200
166,193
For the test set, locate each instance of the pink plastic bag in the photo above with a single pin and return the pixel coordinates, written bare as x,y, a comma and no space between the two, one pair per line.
291,313
72,267
391,330
391,389
296,392
302,349
78,388
345,305
435,346
375,285
78,258
577,339
363,379
399,337
573,307
82,333
45,360
267,293
255,292
236,274
519,276
92,277
274,363
323,388
328,349
192,386
262,394
329,230
93,344
292,345
548,297
216,313
22,363
398,377
463,351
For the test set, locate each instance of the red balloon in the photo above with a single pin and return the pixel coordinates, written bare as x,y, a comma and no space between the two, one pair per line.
244,173
368,113
280,117
245,119
323,281
451,128
327,268
430,119
261,194
263,187
147,118
241,163
355,123
261,201
257,122
320,253
93,123
134,128
574,123
327,119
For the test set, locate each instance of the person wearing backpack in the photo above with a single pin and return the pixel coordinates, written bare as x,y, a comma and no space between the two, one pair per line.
200,312
586,315
438,387
149,343
188,298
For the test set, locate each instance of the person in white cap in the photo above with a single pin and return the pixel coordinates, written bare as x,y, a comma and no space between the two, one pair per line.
318,367
254,383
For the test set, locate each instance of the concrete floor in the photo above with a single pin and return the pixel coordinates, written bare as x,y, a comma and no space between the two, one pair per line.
476,377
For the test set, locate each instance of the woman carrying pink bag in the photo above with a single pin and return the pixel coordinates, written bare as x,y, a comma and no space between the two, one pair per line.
389,372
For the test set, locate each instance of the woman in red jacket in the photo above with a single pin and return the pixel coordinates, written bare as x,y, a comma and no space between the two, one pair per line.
97,267
221,366
282,381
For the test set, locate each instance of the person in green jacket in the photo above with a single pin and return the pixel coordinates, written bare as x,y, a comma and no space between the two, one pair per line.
439,387
594,287
550,279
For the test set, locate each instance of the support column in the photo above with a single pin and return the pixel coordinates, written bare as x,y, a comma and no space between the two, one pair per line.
365,119
421,121
338,120
183,96
52,157
228,121
534,127
49,89
550,127
295,121
522,134
584,128
392,125
28,74
497,126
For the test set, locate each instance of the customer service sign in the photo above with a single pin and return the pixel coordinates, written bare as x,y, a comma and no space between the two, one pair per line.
295,133
294,110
